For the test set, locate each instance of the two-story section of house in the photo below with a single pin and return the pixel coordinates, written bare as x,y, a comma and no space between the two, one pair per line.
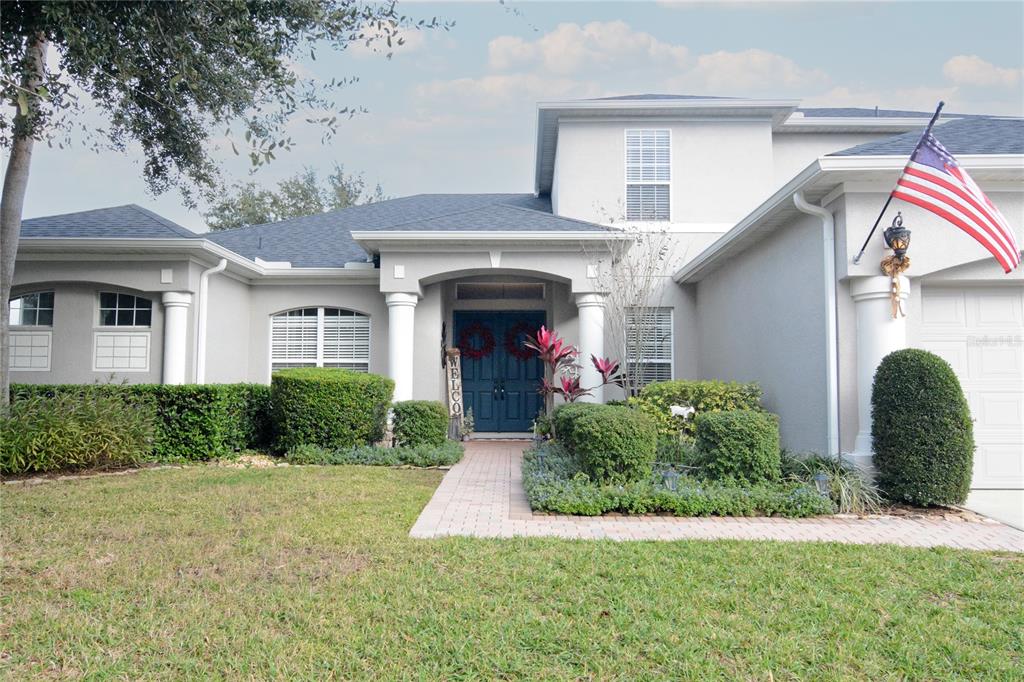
759,205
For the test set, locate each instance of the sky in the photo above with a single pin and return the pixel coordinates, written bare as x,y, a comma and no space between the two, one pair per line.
455,111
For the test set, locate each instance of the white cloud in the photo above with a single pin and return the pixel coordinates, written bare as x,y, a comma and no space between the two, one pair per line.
500,90
973,70
570,48
747,72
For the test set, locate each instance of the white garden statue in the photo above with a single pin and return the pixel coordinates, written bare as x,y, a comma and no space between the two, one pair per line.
684,411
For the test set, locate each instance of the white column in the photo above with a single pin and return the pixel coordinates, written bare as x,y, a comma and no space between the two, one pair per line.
591,321
401,342
878,334
176,306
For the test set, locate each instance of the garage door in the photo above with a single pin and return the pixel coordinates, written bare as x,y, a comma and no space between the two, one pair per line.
980,332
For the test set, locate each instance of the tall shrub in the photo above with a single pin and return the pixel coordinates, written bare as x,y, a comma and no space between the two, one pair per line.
420,422
921,430
657,399
332,408
614,444
739,445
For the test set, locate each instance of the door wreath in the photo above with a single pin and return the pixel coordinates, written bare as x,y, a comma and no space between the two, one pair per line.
513,344
472,333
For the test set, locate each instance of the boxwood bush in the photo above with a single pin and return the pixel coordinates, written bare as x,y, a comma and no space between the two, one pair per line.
656,400
193,422
615,444
66,431
420,422
739,445
331,408
921,430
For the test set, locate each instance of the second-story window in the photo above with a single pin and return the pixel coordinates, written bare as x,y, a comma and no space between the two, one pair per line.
648,174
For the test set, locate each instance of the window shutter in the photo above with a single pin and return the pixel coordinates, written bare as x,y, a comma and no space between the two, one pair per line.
293,338
322,337
649,343
648,174
346,339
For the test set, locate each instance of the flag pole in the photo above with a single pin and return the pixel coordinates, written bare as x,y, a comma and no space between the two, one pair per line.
935,117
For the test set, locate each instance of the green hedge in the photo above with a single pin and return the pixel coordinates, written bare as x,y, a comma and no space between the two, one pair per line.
445,454
555,482
420,422
66,431
657,399
615,444
193,422
921,430
331,408
740,445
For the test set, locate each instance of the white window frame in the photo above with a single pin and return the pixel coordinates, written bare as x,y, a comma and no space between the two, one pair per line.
625,174
29,331
318,360
671,362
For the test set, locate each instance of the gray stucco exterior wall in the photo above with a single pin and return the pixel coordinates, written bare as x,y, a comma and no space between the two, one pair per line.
762,318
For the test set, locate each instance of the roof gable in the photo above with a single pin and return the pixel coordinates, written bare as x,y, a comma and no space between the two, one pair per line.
116,222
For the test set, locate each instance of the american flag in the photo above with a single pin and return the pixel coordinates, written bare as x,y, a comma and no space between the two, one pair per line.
935,181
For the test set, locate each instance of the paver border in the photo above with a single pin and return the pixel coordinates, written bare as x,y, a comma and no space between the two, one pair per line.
482,496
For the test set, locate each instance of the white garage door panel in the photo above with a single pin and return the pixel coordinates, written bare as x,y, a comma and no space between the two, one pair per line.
979,331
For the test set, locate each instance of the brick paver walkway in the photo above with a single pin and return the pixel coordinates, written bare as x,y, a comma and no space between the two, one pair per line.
482,496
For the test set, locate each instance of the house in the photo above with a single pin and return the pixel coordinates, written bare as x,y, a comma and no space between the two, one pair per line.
764,203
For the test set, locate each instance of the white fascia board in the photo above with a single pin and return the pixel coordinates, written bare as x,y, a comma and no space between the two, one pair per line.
190,247
815,172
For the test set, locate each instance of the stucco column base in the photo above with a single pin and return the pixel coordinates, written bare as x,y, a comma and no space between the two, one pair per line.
591,323
176,305
401,342
878,334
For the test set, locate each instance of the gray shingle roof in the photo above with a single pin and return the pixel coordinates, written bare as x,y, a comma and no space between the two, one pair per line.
124,222
859,112
325,240
959,136
656,96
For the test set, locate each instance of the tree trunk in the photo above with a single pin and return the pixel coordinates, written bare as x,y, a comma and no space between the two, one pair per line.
12,201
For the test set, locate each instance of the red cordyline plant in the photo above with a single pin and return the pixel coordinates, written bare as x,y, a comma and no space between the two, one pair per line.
563,360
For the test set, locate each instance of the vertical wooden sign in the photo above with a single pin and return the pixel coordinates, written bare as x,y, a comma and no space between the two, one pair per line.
453,371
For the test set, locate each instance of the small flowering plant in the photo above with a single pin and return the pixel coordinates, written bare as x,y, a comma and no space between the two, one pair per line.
563,361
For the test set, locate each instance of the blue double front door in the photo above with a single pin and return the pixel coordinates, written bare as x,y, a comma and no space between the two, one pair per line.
499,378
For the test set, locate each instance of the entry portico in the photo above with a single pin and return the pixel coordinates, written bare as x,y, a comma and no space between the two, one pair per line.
429,278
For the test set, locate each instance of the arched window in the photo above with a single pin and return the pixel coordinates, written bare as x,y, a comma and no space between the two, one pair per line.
32,310
320,337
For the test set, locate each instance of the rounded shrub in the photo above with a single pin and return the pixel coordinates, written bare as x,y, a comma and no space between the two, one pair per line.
614,444
656,399
921,430
562,419
739,445
420,422
332,408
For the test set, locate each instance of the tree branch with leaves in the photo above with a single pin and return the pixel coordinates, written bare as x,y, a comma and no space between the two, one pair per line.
167,76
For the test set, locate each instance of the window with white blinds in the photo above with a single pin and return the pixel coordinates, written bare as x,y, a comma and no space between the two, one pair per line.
649,344
648,174
320,337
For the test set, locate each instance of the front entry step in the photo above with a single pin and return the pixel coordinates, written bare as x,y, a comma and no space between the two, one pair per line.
501,435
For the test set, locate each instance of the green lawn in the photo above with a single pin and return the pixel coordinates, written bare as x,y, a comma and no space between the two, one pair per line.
309,573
